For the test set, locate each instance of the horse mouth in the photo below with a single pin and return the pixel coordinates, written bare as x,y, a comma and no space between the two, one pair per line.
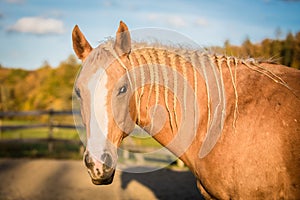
104,180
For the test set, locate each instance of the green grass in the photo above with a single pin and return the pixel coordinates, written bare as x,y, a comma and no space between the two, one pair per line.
60,149
148,142
18,122
34,142
63,146
57,133
40,133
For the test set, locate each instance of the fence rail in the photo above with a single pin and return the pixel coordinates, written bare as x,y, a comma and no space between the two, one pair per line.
31,126
49,125
36,113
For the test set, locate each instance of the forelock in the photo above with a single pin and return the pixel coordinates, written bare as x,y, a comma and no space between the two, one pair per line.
99,57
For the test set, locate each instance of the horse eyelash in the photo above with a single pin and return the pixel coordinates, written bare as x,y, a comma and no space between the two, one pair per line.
77,91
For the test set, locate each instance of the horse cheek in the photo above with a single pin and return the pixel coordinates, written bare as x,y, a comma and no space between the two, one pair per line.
127,122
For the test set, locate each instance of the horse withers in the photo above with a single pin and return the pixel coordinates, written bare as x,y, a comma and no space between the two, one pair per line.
233,122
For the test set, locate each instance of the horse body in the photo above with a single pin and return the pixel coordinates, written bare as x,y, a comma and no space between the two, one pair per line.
251,152
259,157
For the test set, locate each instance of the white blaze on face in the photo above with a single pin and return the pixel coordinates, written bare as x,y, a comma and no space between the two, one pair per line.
98,117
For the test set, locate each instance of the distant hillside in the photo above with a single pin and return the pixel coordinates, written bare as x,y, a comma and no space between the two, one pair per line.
51,88
45,88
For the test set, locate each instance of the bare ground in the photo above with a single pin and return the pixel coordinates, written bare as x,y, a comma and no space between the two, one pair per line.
67,179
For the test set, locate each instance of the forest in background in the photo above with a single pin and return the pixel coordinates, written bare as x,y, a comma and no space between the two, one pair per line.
51,88
286,51
44,88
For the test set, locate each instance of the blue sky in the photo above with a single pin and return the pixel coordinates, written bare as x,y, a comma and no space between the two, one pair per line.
34,31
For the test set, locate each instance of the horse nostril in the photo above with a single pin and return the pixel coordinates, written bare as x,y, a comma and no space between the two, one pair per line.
98,171
107,160
88,162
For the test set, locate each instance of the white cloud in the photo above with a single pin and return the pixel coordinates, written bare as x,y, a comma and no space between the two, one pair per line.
38,25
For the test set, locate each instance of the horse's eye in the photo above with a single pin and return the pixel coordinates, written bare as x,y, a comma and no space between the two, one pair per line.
122,90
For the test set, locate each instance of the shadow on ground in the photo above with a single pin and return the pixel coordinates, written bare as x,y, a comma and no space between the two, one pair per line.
165,183
50,179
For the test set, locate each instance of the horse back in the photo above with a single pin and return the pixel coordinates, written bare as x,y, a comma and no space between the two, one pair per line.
258,154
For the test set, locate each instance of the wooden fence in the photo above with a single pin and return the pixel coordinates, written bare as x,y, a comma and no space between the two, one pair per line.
50,124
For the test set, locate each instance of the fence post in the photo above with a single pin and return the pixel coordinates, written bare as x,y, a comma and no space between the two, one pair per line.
81,150
50,133
0,128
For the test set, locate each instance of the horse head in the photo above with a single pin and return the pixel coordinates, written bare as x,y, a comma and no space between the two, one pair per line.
107,109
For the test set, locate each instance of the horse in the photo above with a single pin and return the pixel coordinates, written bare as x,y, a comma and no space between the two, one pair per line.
234,122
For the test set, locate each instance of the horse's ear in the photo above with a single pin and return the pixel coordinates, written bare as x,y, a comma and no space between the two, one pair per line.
123,40
81,46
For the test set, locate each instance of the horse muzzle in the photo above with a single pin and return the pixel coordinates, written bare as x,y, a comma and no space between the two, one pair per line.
101,172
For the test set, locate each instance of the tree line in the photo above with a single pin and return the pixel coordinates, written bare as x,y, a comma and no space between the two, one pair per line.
51,88
285,51
44,88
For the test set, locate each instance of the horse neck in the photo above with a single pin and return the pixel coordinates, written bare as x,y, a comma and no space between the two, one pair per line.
171,95
164,67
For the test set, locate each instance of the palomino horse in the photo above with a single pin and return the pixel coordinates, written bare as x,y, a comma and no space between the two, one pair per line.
233,122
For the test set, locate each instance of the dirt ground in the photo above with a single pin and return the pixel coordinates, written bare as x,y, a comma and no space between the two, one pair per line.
67,179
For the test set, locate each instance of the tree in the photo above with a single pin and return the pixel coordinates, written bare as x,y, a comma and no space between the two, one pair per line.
227,47
248,48
288,50
296,54
265,51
